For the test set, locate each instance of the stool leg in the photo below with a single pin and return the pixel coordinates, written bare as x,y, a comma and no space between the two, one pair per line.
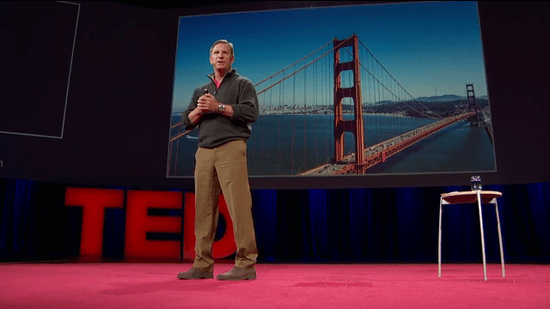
500,241
439,240
482,235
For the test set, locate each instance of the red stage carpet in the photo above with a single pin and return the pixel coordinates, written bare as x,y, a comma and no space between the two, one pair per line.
154,285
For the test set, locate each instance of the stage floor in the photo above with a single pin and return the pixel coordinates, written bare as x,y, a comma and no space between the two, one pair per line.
154,285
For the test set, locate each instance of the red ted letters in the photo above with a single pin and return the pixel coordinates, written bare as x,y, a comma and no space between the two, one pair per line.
139,223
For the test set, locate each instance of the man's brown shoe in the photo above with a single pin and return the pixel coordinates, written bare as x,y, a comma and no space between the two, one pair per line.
237,273
195,273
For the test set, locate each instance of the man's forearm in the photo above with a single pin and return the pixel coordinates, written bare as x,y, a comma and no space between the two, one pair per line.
195,116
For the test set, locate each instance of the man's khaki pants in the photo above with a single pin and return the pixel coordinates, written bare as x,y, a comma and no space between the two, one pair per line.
225,168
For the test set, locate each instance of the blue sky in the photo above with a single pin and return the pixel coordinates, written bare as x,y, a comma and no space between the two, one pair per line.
426,46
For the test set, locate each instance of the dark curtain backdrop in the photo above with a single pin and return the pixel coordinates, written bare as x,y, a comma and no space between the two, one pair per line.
393,225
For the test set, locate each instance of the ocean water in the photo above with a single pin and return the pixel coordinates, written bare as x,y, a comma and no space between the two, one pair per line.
291,144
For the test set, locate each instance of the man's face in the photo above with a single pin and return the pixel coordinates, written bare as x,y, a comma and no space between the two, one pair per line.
221,57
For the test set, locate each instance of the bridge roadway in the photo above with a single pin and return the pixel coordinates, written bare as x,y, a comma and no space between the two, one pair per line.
380,152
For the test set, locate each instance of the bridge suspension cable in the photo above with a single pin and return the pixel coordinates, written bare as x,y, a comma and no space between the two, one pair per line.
296,71
437,116
293,64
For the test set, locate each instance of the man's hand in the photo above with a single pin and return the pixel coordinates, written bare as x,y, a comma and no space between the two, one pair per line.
207,103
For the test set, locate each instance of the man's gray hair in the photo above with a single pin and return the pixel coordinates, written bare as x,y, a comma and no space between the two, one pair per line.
223,42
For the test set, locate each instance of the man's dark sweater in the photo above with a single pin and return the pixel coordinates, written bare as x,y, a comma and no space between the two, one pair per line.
216,129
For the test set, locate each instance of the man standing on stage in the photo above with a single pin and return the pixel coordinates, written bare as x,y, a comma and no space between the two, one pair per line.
224,109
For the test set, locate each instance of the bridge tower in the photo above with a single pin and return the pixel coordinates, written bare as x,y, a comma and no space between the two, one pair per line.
477,119
356,125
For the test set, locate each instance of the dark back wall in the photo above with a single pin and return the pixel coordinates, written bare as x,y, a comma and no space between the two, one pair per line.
119,102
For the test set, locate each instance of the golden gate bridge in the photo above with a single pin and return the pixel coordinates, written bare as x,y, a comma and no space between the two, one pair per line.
344,79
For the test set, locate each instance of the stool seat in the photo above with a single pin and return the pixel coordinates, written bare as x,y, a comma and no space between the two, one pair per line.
468,197
465,197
